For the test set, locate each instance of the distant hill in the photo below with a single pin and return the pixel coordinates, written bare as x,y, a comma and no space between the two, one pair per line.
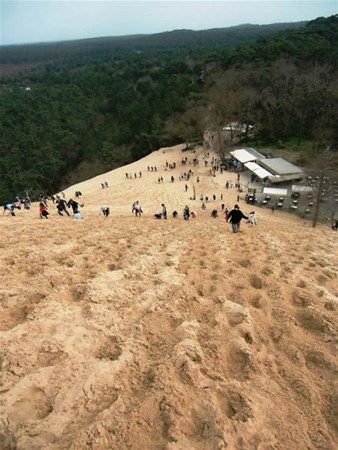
170,41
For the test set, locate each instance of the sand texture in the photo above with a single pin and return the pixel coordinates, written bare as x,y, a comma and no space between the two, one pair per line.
137,333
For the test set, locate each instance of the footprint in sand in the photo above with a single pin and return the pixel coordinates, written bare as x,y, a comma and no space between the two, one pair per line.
109,349
239,363
34,404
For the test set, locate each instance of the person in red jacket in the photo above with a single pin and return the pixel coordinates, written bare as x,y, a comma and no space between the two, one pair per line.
43,209
235,217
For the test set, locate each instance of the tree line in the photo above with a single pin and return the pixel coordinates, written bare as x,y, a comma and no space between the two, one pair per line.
108,47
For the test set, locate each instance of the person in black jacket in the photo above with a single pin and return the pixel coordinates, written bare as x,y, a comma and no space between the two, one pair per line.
75,205
186,212
164,211
61,206
235,217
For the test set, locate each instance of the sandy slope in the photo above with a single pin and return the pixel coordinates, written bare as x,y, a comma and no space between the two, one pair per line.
136,333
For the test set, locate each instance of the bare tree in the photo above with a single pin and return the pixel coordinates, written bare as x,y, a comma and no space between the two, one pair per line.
220,113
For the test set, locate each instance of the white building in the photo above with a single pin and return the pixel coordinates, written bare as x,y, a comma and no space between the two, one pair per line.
273,170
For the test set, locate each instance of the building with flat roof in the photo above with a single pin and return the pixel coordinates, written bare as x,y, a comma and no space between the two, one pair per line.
281,170
269,170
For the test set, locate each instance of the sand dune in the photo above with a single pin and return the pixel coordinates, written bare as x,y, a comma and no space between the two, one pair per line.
139,333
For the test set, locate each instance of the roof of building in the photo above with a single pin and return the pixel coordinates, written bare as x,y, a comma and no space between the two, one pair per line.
237,126
259,171
280,166
301,188
243,155
275,191
255,153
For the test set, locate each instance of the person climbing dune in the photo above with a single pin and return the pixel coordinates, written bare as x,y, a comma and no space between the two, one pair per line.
235,217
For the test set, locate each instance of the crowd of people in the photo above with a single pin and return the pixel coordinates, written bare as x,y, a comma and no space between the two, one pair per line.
130,177
61,204
20,202
72,207
234,217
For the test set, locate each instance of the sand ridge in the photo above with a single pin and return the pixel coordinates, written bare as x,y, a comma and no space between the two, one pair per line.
147,334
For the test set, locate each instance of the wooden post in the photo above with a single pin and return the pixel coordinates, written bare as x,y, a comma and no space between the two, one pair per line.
318,198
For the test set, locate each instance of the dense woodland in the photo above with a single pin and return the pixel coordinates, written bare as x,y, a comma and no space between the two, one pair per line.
105,106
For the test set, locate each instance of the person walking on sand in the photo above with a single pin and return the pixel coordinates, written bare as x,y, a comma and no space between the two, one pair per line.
137,209
252,218
226,215
164,211
10,208
235,217
186,213
75,205
105,210
43,210
61,206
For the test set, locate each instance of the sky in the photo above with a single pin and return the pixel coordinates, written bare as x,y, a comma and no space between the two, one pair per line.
25,21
